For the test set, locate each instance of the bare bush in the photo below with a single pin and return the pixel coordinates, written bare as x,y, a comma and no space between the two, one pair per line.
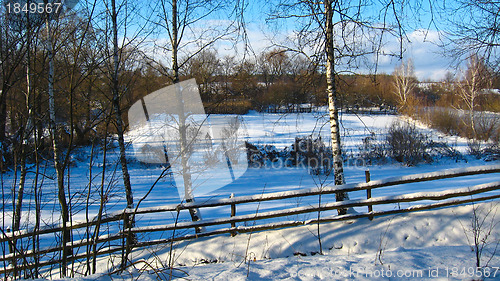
480,233
407,145
486,126
454,122
313,154
442,149
307,152
474,148
372,151
444,120
492,152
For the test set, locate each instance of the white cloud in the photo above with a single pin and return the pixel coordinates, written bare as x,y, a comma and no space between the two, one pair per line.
423,47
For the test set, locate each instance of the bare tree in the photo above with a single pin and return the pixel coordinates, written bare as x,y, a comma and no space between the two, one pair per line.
120,27
12,54
183,22
335,33
116,104
476,79
58,164
474,29
205,67
122,15
333,102
27,25
53,41
404,83
273,65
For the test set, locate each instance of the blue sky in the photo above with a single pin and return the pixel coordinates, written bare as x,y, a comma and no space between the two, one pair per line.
422,44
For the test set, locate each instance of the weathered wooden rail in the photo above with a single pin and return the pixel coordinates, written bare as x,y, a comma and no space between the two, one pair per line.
450,197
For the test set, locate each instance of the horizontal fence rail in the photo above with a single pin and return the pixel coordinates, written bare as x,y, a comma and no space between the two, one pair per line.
446,174
19,259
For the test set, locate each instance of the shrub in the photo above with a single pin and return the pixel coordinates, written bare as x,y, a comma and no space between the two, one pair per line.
442,149
261,156
230,106
454,122
412,107
372,151
445,121
474,148
492,152
306,152
487,126
313,154
407,145
488,152
496,136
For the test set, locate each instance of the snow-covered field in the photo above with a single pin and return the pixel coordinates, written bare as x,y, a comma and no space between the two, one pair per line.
434,243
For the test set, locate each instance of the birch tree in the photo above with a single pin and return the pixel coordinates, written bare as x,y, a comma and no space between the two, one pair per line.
333,102
121,43
61,158
27,26
124,31
59,167
116,104
474,29
475,80
404,83
339,36
187,36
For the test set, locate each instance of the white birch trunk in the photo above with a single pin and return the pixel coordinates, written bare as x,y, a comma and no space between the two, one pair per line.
186,173
333,105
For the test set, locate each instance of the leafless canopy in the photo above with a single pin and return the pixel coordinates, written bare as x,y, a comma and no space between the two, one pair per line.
361,31
475,29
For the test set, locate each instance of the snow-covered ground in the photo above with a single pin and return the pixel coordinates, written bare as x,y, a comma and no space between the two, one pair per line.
431,245
275,129
425,242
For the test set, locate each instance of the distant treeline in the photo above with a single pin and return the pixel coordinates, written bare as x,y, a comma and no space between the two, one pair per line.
273,82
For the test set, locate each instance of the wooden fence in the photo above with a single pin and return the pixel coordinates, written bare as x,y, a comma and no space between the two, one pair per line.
29,261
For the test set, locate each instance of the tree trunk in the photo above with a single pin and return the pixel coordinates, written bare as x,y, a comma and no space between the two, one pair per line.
117,109
25,135
333,105
6,66
128,220
3,120
61,194
186,174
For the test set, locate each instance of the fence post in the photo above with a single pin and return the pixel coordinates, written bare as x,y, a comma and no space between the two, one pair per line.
369,193
233,213
129,238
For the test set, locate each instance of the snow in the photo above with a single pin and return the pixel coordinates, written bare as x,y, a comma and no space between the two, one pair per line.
331,189
423,241
430,245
